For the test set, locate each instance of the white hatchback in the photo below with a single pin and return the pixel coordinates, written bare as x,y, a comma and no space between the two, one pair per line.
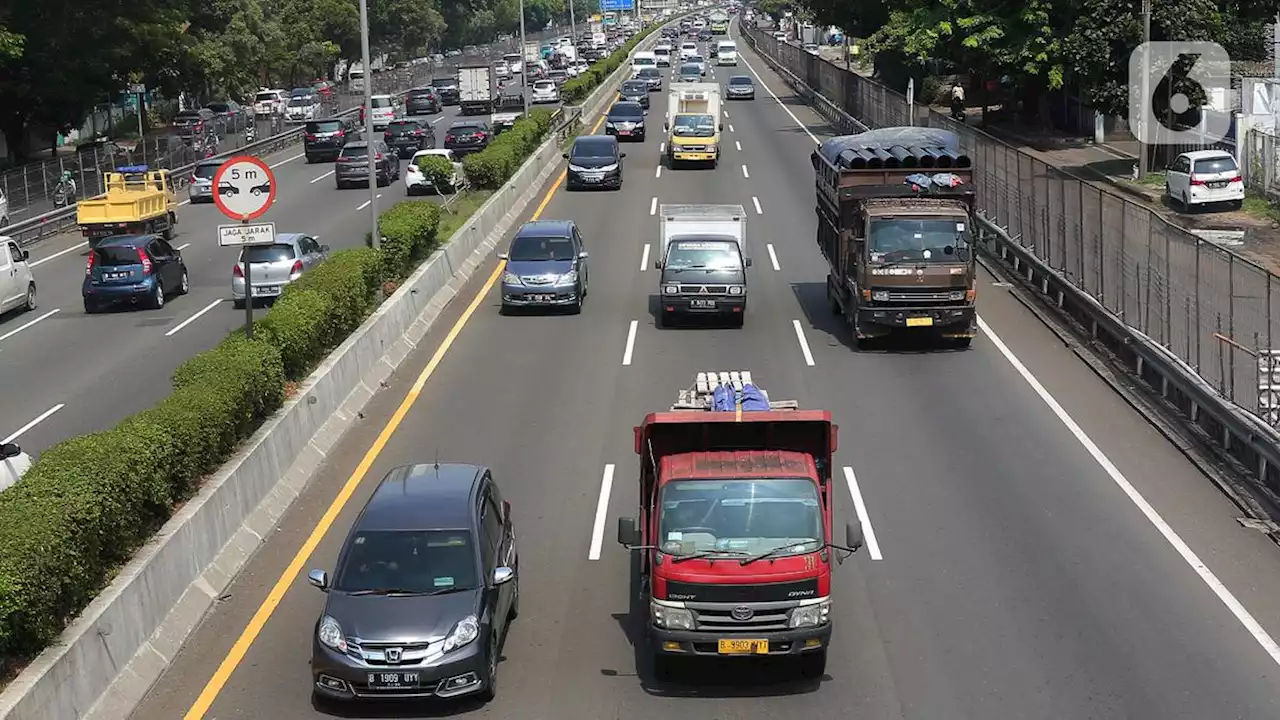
384,111
545,91
415,182
1203,177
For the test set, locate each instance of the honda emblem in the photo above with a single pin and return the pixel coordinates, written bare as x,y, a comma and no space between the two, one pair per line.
393,654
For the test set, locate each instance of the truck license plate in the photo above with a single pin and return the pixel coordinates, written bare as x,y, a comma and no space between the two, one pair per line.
703,304
920,322
744,647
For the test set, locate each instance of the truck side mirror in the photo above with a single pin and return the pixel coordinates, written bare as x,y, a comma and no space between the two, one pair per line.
853,536
657,264
628,532
748,262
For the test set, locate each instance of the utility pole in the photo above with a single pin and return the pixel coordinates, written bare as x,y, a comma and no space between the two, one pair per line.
573,26
1144,150
368,123
524,64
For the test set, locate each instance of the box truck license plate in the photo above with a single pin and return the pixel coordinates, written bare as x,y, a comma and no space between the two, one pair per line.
703,304
744,647
920,322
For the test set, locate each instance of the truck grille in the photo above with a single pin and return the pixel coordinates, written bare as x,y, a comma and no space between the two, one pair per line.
742,594
692,148
704,289
922,296
720,617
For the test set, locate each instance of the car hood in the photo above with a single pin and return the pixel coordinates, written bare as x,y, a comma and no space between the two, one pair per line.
592,162
533,268
381,618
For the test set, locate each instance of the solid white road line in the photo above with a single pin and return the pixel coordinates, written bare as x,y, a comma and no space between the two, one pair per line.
644,258
28,324
745,174
804,344
39,419
737,145
781,104
657,172
602,510
318,179
653,206
60,253
756,201
631,343
193,318
287,160
773,257
864,518
1237,609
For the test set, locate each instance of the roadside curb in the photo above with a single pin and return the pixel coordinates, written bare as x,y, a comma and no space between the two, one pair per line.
120,645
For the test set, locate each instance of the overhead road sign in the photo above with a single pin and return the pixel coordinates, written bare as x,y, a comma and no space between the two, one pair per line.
244,188
240,235
616,5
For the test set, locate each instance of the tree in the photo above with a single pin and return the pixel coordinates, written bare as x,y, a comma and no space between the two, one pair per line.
405,27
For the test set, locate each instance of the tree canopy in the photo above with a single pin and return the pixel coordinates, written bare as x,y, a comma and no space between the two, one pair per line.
61,58
1040,44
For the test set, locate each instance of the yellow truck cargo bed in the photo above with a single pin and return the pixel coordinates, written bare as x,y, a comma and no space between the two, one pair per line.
137,202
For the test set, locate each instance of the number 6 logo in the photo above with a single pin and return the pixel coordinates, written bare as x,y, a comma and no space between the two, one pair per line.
1179,93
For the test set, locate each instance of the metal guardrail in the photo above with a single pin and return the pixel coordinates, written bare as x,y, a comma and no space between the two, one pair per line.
1236,434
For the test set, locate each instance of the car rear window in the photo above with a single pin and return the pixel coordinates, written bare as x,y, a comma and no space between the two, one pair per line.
443,82
219,107
186,117
325,126
463,128
355,151
268,253
206,172
1216,165
381,102
299,102
403,125
116,256
264,97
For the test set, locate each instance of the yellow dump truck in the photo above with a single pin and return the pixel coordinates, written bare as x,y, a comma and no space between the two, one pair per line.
137,200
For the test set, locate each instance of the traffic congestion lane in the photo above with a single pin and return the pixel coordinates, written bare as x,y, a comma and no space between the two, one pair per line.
46,362
1117,580
544,373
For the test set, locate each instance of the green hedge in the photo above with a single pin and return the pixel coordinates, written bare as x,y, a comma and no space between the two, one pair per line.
493,166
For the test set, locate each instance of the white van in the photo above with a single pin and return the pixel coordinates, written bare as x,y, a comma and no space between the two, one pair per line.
663,54
384,111
643,59
355,80
17,287
727,53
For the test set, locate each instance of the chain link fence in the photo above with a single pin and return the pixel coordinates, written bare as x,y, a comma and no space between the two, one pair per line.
1215,310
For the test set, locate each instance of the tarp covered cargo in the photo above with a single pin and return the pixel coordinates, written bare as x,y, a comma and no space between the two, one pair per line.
844,150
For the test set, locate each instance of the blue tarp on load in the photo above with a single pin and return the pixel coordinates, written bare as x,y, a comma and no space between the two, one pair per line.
753,398
724,399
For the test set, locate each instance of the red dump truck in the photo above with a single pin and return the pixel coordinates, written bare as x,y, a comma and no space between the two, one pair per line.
734,537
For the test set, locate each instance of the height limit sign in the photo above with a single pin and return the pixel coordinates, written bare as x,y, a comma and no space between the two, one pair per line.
244,188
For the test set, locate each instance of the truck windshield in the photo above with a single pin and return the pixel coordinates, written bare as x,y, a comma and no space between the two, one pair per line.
694,126
704,255
917,240
740,516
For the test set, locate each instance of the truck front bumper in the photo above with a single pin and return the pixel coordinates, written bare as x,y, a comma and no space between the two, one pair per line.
694,156
694,305
707,644
957,321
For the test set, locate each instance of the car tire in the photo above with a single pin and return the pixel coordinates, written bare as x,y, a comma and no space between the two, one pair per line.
339,186
30,303
157,300
91,307
738,320
505,309
514,612
184,284
489,692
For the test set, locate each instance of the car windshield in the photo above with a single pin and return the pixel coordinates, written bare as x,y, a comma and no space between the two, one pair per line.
627,111
649,72
206,172
592,150
413,561
916,240
740,80
694,126
528,248
740,516
116,256
279,252
718,254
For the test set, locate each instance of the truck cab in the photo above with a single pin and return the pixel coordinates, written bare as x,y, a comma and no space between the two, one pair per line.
693,124
702,263
735,526
895,223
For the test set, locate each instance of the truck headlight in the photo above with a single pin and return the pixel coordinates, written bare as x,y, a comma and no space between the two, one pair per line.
713,148
814,615
880,295
735,289
956,295
568,278
330,634
671,618
511,279
671,290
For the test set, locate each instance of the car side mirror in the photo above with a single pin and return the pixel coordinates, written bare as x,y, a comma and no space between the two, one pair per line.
628,532
324,248
564,155
666,125
721,126
503,575
622,155
748,262
319,578
26,255
502,256
9,450
582,255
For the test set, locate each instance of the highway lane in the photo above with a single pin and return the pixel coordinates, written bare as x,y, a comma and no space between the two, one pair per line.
1009,574
103,367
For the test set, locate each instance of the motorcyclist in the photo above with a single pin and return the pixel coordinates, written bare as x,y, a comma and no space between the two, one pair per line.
66,190
957,102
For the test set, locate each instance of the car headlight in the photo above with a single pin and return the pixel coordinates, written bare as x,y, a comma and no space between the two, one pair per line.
814,615
462,634
671,618
330,634
671,290
568,278
880,295
956,295
735,289
511,279
608,168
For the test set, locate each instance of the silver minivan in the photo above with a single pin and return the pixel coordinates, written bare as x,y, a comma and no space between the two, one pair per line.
272,267
17,286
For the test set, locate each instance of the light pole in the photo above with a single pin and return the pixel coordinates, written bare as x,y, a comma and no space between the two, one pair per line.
1144,150
368,122
573,27
524,64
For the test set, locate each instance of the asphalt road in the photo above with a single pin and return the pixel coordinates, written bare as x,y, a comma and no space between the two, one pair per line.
64,373
1009,573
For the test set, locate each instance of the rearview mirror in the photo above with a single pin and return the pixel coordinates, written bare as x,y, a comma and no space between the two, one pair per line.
26,255
324,248
502,256
564,155
319,578
582,255
628,532
748,262
503,575
853,536
657,264
9,450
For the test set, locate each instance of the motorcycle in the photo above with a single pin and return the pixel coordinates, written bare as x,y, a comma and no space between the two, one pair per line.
64,194
251,132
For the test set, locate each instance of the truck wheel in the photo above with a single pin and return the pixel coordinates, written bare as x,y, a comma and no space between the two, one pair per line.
814,665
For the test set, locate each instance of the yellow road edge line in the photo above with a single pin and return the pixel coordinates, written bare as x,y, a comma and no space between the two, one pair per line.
290,575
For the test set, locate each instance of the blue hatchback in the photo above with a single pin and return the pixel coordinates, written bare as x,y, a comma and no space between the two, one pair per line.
132,269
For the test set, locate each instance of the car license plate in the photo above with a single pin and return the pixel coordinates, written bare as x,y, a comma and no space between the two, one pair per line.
704,304
393,680
744,647
591,178
1217,184
115,275
920,322
542,298
268,290
624,132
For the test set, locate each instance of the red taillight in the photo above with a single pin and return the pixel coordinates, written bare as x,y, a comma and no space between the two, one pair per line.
297,268
387,135
341,133
88,270
310,136
378,156
236,271
146,261
479,136
1196,181
1237,178
448,138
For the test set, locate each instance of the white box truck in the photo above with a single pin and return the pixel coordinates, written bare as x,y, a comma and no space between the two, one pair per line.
693,123
703,263
475,89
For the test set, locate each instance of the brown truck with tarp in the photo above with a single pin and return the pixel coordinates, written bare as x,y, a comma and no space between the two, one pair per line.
895,221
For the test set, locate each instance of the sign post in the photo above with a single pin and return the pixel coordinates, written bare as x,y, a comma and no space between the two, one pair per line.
244,188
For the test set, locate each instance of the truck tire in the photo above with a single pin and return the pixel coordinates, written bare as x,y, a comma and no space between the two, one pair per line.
813,666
